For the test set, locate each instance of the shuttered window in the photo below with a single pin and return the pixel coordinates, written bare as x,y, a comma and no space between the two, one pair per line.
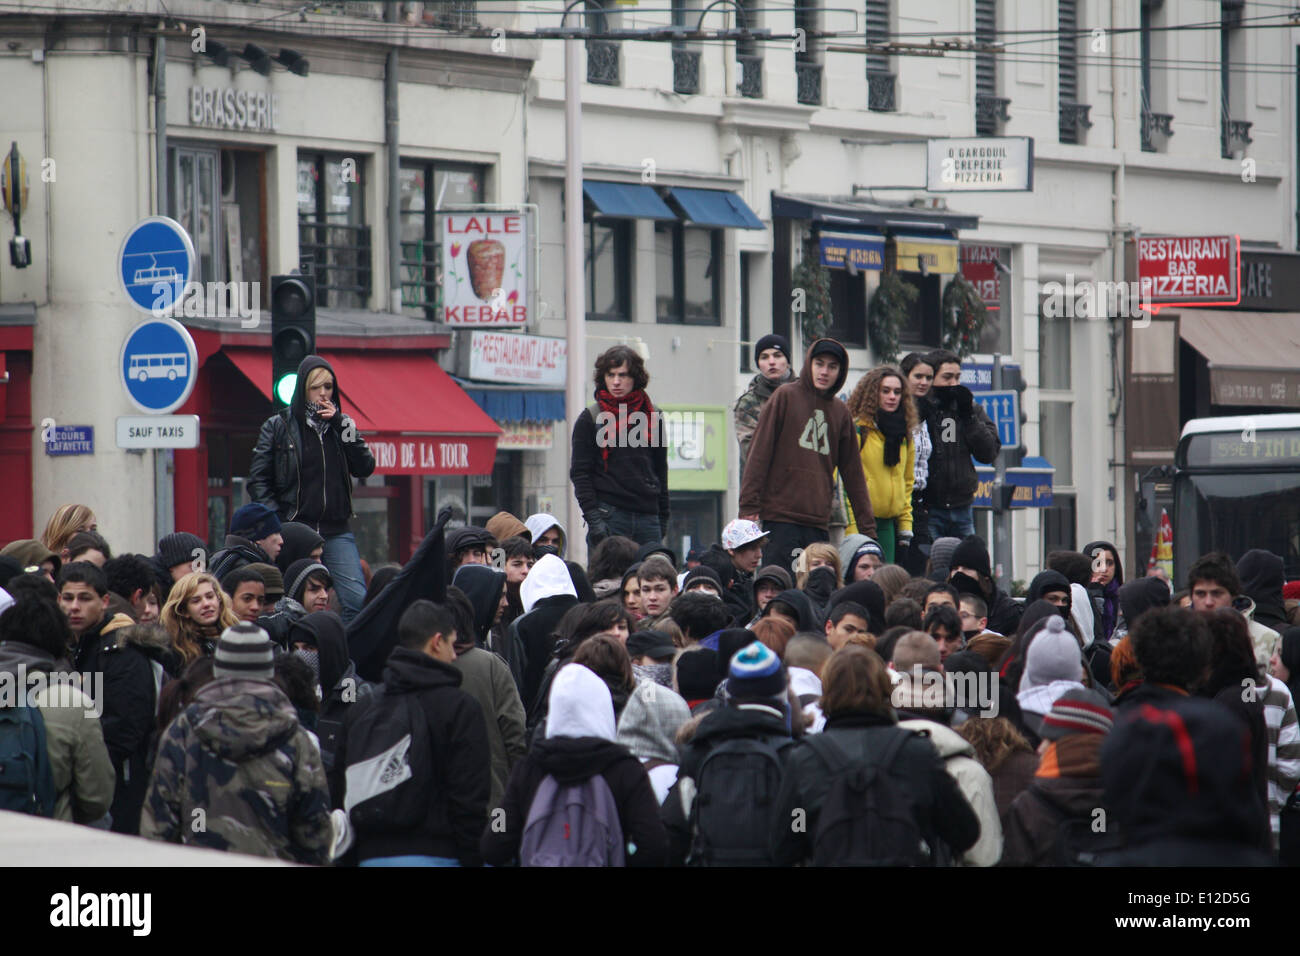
986,68
1068,69
880,75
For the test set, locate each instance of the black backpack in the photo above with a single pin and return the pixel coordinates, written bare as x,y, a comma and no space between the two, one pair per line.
390,781
866,819
1077,844
735,799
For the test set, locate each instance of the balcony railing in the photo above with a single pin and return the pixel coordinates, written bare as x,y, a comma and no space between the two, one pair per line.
1074,119
880,91
1153,124
686,71
602,62
989,112
751,78
341,253
809,78
421,279
1235,135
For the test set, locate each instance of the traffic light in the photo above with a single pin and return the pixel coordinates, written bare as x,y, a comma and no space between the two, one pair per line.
1013,378
293,332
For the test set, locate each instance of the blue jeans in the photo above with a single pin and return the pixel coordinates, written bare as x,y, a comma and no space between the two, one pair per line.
641,528
412,860
951,523
344,562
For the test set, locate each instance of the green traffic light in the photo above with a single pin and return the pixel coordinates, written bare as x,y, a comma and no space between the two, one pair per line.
285,388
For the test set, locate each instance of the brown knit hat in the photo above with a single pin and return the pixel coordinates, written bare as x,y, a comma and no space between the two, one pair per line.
30,553
504,525
272,577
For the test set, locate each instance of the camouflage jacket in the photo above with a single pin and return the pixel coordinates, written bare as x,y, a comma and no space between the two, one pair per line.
749,405
236,772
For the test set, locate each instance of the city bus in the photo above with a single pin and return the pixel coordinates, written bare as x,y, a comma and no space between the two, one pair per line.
166,365
1237,487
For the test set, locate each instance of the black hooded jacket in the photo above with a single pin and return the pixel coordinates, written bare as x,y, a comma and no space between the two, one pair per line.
482,586
238,552
870,596
952,482
1262,576
571,760
299,542
1046,581
458,806
801,604
339,683
302,474
632,478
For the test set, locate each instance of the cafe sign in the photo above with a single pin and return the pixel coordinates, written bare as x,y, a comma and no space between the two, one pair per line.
485,268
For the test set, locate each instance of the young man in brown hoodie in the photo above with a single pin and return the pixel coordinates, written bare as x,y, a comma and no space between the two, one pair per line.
804,434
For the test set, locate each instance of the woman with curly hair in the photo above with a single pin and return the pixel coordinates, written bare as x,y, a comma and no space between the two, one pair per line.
196,613
885,418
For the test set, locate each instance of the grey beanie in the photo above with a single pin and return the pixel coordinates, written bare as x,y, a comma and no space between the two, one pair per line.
1053,655
941,553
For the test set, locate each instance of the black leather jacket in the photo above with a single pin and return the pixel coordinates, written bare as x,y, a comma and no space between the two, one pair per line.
275,475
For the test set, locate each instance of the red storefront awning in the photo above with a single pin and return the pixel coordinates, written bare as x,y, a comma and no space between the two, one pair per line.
416,420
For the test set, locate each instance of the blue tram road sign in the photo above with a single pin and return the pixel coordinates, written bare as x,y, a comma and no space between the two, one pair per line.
159,366
156,261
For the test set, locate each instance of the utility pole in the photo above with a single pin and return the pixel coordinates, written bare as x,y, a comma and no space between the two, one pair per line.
1001,510
575,304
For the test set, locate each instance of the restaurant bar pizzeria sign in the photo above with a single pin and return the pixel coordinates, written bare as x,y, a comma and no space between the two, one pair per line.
1189,270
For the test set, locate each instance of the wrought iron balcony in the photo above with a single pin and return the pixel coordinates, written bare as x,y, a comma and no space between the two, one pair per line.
602,62
1153,123
880,91
342,261
751,77
1074,119
989,112
686,71
1235,135
809,77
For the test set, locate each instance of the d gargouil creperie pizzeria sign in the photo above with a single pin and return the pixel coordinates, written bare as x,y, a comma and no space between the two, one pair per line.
485,268
1189,270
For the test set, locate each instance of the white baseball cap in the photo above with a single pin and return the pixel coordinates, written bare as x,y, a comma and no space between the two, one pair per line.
740,532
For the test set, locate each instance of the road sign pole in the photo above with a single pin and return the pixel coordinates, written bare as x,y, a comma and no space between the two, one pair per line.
1001,513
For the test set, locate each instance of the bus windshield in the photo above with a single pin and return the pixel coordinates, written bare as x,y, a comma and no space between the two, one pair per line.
1234,512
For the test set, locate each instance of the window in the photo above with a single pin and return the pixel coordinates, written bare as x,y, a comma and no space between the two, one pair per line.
216,194
195,204
686,61
746,349
331,228
1073,114
750,81
990,109
1234,132
602,55
808,69
1155,127
848,308
1056,434
1059,524
880,73
426,188
451,14
608,270
688,266
1054,352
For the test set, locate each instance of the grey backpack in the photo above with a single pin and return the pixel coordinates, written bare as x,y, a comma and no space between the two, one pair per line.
572,825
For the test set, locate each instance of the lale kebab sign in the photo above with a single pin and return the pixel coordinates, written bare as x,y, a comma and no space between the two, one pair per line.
1189,270
485,268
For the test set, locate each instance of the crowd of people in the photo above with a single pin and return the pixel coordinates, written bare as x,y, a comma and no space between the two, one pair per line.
773,699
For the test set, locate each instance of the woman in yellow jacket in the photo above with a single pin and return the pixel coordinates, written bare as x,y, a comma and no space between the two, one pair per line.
885,417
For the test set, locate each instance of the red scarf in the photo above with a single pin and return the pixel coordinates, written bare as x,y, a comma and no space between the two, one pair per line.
636,401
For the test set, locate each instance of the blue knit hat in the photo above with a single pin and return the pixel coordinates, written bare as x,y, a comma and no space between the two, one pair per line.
254,521
756,672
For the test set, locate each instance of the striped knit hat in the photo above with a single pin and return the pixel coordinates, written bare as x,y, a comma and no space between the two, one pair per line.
1077,712
756,672
244,651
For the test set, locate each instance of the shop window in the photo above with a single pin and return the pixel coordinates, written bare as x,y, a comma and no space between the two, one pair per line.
608,270
688,267
332,231
1056,431
848,308
427,188
229,456
376,503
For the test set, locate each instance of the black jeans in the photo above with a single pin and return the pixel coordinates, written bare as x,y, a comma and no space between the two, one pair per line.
784,537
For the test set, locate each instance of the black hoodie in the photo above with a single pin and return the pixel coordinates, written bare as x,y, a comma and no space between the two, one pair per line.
483,586
803,436
340,686
870,596
299,542
801,604
458,806
1262,577
303,473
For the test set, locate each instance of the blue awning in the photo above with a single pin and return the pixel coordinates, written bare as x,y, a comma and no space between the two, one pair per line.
715,207
519,404
626,200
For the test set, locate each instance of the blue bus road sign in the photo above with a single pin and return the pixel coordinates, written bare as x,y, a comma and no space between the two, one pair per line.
1004,409
159,366
156,261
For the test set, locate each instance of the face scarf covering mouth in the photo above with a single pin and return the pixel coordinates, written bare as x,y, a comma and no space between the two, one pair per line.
661,674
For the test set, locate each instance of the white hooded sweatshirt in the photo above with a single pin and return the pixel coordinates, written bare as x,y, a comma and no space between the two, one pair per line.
548,578
541,523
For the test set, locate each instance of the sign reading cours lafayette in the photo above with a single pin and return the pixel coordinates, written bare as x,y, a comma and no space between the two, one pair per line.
1189,270
485,268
